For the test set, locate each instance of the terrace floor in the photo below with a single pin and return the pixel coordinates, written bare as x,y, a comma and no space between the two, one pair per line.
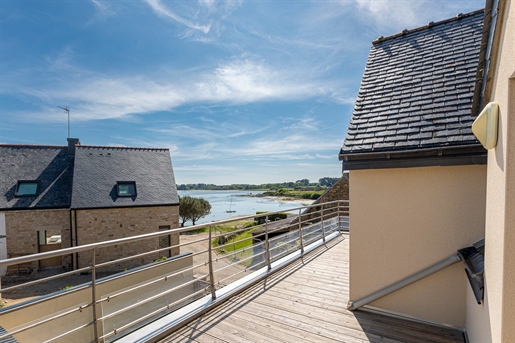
305,302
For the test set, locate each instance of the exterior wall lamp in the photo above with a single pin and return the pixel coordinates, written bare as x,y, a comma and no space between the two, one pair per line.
486,125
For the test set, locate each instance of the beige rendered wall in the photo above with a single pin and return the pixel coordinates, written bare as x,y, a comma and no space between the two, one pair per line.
403,220
494,321
96,225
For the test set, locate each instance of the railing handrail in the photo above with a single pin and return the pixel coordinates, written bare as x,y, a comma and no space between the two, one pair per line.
90,246
307,231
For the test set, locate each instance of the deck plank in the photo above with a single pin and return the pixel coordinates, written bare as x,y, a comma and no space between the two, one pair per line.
305,302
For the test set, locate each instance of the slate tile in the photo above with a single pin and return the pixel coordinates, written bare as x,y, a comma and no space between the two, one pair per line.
420,81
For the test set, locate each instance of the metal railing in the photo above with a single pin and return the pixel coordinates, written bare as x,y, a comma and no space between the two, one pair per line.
121,296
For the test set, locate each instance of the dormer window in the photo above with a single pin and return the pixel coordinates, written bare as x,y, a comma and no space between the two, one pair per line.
126,188
27,188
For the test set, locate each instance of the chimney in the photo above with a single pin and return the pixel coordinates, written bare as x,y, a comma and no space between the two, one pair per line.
72,143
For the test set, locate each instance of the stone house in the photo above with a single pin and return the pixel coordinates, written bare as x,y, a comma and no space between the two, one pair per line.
423,187
62,196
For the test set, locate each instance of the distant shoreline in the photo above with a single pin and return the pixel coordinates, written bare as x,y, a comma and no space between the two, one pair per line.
252,194
304,202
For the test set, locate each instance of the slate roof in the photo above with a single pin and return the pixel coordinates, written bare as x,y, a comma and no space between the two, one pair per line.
97,170
48,164
416,92
86,179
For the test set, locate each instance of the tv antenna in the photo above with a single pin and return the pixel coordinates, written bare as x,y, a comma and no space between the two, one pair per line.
67,110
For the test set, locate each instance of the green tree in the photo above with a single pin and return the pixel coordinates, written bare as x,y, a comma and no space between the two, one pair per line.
191,208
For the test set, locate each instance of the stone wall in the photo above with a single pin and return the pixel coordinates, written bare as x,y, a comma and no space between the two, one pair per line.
93,226
22,231
338,191
96,225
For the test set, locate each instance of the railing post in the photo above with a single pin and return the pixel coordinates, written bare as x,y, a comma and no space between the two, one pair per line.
338,215
267,245
300,233
94,295
211,273
322,220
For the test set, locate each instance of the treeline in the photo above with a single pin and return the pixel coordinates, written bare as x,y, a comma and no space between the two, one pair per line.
299,184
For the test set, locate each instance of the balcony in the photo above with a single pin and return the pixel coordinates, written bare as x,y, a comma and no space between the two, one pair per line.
268,281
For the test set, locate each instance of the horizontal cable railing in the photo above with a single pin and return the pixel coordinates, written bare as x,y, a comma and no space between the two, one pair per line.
114,297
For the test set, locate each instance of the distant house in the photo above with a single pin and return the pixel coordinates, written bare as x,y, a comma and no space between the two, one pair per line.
84,194
418,172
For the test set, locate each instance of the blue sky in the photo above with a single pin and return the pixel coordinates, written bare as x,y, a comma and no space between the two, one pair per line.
239,91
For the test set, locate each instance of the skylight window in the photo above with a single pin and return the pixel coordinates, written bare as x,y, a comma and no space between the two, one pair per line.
126,188
27,188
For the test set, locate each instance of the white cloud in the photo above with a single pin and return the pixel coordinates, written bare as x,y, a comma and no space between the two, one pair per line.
94,97
306,123
204,17
103,10
401,14
287,147
162,10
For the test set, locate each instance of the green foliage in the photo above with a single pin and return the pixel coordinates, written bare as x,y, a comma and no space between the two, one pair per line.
328,181
300,184
191,208
241,242
271,217
312,194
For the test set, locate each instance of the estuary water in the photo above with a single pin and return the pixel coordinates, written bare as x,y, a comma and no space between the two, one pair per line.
240,202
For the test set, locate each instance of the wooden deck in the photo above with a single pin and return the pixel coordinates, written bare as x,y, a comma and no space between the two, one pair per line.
305,302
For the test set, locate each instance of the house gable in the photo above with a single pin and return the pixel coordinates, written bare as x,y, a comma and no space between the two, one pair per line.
415,99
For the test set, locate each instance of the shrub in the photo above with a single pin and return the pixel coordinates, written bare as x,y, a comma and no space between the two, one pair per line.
272,217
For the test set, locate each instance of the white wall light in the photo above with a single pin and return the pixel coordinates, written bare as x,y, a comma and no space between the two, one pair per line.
486,125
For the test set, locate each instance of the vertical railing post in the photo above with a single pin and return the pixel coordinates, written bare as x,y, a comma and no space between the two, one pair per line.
1,301
94,295
300,233
210,262
322,220
267,245
338,216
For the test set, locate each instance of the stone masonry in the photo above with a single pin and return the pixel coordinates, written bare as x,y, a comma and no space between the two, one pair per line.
93,225
96,225
338,191
23,226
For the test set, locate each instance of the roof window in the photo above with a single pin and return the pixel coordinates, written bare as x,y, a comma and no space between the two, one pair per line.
126,188
27,188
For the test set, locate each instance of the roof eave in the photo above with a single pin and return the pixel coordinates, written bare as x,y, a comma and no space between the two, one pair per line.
441,156
78,208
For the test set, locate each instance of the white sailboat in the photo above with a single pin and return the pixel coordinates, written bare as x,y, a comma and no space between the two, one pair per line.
230,208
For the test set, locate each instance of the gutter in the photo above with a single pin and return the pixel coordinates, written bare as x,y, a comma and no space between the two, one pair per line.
487,52
423,152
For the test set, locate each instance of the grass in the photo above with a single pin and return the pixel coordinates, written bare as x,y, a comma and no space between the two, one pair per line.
285,192
229,227
241,241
